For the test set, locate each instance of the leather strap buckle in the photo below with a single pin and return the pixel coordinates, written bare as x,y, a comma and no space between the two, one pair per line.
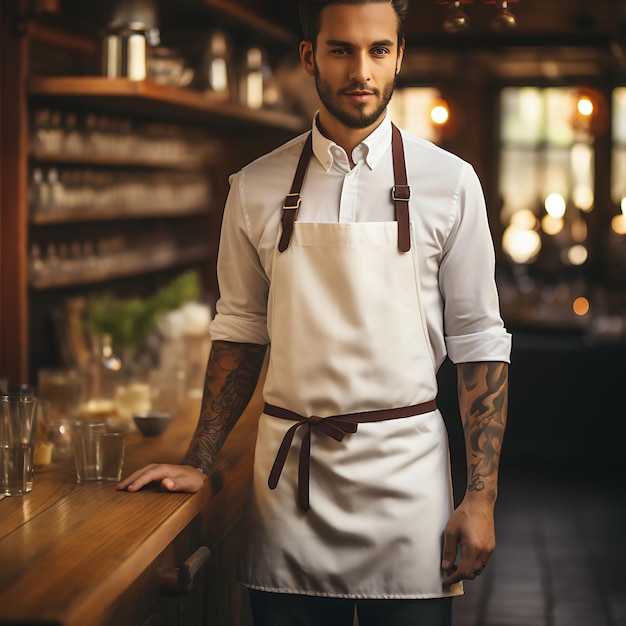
292,201
401,192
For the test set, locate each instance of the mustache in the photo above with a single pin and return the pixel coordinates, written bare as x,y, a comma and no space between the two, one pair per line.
360,87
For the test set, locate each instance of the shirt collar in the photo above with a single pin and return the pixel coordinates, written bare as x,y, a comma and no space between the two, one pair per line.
375,144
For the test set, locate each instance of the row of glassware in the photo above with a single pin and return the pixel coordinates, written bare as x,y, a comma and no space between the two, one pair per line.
63,132
28,436
86,190
58,261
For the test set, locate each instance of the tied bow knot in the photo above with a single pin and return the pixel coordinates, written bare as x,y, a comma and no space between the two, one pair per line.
334,427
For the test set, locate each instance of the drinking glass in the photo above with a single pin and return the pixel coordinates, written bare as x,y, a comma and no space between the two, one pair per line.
99,454
18,429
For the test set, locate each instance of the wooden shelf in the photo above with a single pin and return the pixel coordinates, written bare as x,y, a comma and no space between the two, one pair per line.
87,159
55,65
180,257
113,215
145,97
256,22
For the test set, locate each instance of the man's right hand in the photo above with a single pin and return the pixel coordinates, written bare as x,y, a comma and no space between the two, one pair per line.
232,374
183,478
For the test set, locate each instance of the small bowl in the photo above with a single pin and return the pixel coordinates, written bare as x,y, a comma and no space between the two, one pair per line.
152,423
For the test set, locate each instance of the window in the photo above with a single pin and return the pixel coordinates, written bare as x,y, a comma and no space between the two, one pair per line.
421,111
618,169
547,192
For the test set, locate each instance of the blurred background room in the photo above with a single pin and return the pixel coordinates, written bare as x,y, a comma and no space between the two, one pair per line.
120,122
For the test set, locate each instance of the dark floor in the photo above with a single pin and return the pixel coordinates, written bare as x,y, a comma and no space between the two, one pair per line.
561,555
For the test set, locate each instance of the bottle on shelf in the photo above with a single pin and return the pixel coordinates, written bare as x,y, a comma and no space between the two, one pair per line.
39,192
252,80
216,65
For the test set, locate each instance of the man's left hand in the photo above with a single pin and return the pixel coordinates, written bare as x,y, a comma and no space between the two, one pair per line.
470,528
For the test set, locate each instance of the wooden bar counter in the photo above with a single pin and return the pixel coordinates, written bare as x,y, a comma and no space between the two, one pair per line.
83,554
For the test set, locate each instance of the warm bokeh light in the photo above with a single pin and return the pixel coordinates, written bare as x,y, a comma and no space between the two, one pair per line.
524,219
522,245
440,113
581,306
411,109
585,106
583,197
618,223
577,255
551,225
555,205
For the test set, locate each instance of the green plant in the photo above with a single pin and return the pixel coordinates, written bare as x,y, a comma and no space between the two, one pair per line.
130,321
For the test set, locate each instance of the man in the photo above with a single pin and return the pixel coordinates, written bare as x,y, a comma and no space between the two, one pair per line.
361,276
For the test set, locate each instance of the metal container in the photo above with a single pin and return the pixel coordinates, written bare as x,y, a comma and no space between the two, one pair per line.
124,51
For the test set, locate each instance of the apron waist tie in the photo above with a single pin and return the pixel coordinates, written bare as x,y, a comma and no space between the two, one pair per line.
335,426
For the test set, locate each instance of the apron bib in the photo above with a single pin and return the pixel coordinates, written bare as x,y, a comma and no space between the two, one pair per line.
348,336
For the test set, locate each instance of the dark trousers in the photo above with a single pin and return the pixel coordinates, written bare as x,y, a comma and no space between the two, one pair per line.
282,609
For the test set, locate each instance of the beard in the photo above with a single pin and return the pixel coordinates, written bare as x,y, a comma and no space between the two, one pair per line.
357,117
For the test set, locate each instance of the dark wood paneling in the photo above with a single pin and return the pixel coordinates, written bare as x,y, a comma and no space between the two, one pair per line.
13,224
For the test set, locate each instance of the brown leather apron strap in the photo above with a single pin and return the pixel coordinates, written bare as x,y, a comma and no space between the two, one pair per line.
293,199
335,426
401,192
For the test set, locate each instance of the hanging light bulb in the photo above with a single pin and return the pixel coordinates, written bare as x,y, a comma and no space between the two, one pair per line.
503,20
457,19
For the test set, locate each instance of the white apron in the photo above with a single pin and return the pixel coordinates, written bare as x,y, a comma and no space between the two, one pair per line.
348,335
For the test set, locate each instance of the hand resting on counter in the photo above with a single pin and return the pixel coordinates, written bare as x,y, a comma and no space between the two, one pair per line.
183,478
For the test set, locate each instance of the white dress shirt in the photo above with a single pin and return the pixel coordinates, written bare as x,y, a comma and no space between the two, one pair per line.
447,208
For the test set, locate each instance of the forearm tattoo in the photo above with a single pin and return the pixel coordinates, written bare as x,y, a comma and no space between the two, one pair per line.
232,374
483,398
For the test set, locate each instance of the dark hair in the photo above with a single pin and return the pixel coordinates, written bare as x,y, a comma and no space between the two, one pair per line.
311,10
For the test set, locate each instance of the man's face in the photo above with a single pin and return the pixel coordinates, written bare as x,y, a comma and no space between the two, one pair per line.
355,61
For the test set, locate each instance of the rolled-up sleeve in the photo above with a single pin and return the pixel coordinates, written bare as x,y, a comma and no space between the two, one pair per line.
473,328
241,311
